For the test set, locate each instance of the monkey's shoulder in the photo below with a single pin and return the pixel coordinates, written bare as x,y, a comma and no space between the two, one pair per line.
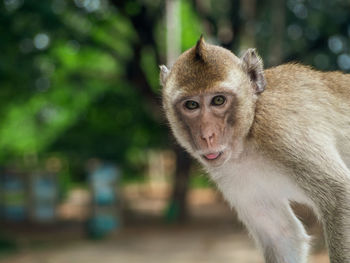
301,104
293,78
298,94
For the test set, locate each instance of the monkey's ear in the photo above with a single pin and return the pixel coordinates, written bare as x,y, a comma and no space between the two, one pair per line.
164,73
252,64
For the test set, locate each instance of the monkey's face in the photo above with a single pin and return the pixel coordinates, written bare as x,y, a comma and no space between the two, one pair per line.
208,121
209,99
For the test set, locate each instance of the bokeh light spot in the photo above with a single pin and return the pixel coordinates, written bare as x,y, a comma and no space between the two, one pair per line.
12,5
88,5
335,44
41,41
343,61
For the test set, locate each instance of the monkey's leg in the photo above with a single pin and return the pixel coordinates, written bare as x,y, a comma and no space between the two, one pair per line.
326,180
336,226
276,230
332,199
334,210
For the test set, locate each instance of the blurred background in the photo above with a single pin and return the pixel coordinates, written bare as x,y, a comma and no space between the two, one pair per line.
88,168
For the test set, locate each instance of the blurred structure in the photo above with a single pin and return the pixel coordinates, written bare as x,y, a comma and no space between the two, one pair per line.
28,195
14,195
106,211
43,197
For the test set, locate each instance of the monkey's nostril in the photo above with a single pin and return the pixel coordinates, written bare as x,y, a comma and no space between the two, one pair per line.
208,139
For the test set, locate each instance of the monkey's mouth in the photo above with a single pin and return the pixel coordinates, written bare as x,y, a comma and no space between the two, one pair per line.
212,156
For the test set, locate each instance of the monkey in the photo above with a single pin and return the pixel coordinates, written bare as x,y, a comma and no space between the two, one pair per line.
267,138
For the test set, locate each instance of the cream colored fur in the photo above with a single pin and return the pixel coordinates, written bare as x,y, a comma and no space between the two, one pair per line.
290,142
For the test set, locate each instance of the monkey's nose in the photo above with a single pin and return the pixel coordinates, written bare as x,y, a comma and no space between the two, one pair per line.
209,139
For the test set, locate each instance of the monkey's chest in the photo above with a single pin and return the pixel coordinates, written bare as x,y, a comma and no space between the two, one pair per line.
256,179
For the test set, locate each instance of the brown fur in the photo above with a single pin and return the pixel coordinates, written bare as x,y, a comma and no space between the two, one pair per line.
296,116
199,68
300,111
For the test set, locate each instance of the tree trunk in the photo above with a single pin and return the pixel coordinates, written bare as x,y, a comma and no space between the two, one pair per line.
248,9
278,28
173,30
177,210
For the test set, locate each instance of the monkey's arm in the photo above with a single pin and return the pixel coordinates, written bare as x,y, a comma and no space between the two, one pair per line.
277,231
326,180
302,121
305,142
328,186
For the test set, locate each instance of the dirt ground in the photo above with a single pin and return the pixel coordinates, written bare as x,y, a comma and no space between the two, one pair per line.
212,235
152,244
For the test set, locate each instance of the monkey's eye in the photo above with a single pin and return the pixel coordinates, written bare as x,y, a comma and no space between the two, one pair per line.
218,100
191,105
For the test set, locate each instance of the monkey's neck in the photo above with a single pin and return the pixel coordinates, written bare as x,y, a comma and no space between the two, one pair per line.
255,177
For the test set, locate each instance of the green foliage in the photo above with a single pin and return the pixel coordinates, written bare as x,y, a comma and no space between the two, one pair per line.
65,87
150,67
191,28
77,76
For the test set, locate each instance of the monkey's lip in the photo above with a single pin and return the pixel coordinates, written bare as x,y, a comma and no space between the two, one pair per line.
212,156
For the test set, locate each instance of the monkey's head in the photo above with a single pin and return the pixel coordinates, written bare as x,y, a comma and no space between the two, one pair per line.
209,98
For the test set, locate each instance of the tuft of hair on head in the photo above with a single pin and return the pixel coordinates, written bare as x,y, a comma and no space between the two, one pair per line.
200,48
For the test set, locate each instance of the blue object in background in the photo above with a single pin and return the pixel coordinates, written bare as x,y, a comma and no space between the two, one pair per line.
13,197
44,198
103,181
102,224
105,202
